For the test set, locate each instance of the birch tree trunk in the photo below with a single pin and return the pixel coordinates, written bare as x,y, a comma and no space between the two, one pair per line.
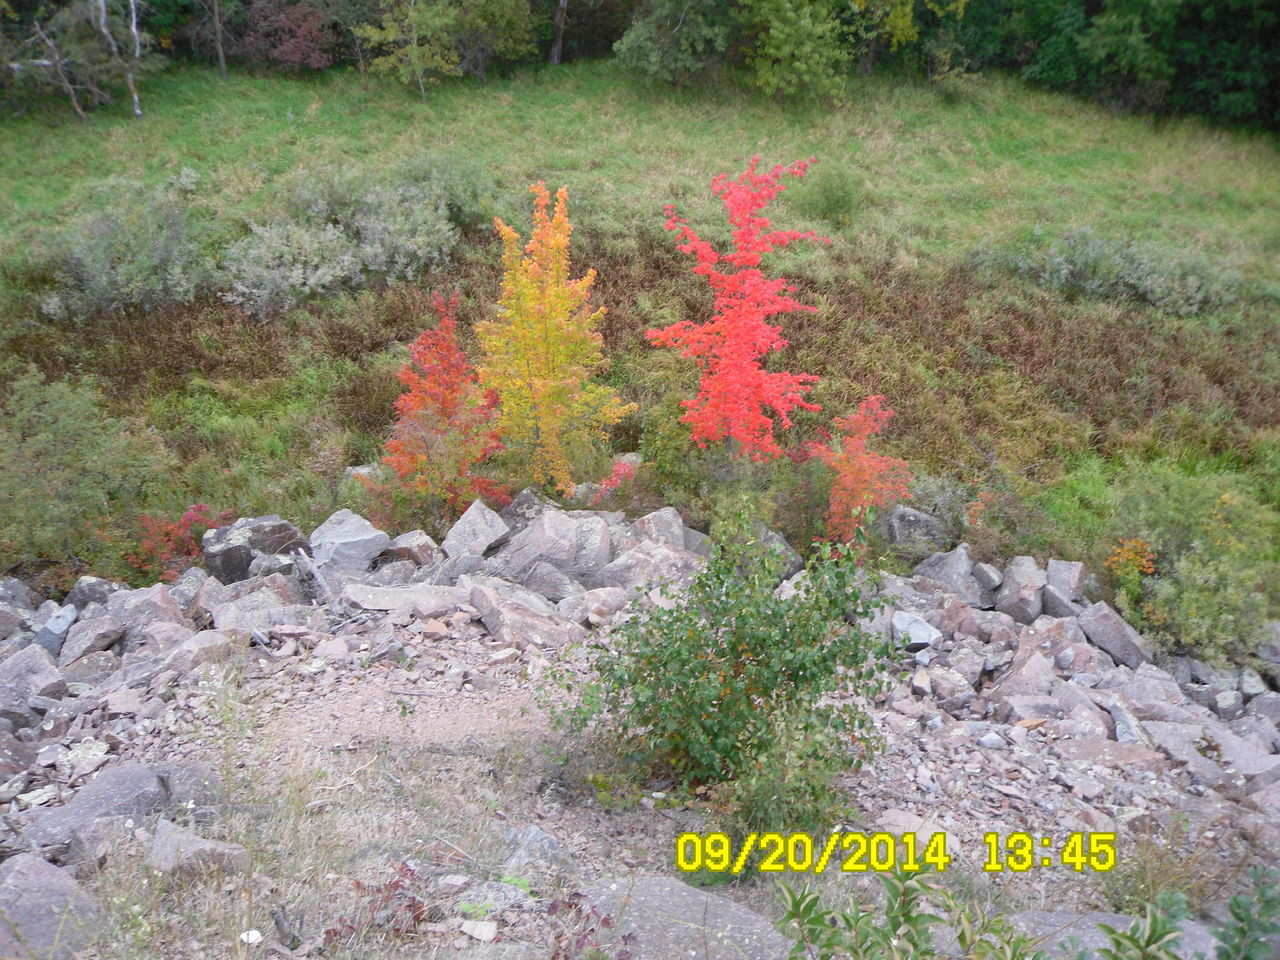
557,45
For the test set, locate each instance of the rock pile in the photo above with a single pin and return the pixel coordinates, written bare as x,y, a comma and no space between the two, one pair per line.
1013,671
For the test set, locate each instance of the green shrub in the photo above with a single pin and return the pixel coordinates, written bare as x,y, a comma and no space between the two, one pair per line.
139,253
1216,549
1081,263
344,228
699,689
279,264
900,929
68,471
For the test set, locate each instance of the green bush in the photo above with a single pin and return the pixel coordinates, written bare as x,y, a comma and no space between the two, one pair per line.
280,264
1082,263
1216,548
700,688
139,253
68,471
343,228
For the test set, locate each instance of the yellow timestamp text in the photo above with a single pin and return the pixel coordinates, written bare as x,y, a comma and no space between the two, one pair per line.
856,852
1020,852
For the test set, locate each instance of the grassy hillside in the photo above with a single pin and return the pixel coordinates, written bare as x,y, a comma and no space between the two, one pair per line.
1043,398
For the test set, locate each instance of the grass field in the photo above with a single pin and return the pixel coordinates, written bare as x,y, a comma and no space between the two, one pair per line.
990,377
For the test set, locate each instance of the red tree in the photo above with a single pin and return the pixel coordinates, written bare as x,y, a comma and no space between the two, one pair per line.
735,390
291,34
443,430
863,479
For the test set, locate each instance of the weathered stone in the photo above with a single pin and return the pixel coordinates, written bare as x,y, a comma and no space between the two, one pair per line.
428,600
1219,678
953,570
988,576
127,789
1128,727
138,609
1019,706
661,526
530,844
92,668
226,552
1067,577
1110,753
548,581
14,709
185,587
528,503
776,544
11,620
1020,593
494,591
347,541
987,626
1107,629
671,919
50,637
1056,603
16,593
968,662
647,565
32,673
47,914
948,683
260,610
913,532
1031,672
1265,705
207,646
123,703
1251,683
1228,704
1240,754
913,632
179,852
89,590
520,627
331,648
476,531
416,546
90,636
396,573
596,607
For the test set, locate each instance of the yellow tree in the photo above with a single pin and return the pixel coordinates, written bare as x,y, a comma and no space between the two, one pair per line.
541,350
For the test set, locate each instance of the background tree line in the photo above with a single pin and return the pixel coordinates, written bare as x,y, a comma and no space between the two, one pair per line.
1219,59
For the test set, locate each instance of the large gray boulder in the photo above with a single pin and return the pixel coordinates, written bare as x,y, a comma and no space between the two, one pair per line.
176,851
476,531
127,789
1108,630
48,916
648,564
51,636
669,919
32,672
913,532
89,590
226,552
954,570
347,541
139,609
1020,594
90,636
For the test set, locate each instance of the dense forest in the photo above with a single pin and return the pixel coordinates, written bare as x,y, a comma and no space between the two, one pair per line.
1219,59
